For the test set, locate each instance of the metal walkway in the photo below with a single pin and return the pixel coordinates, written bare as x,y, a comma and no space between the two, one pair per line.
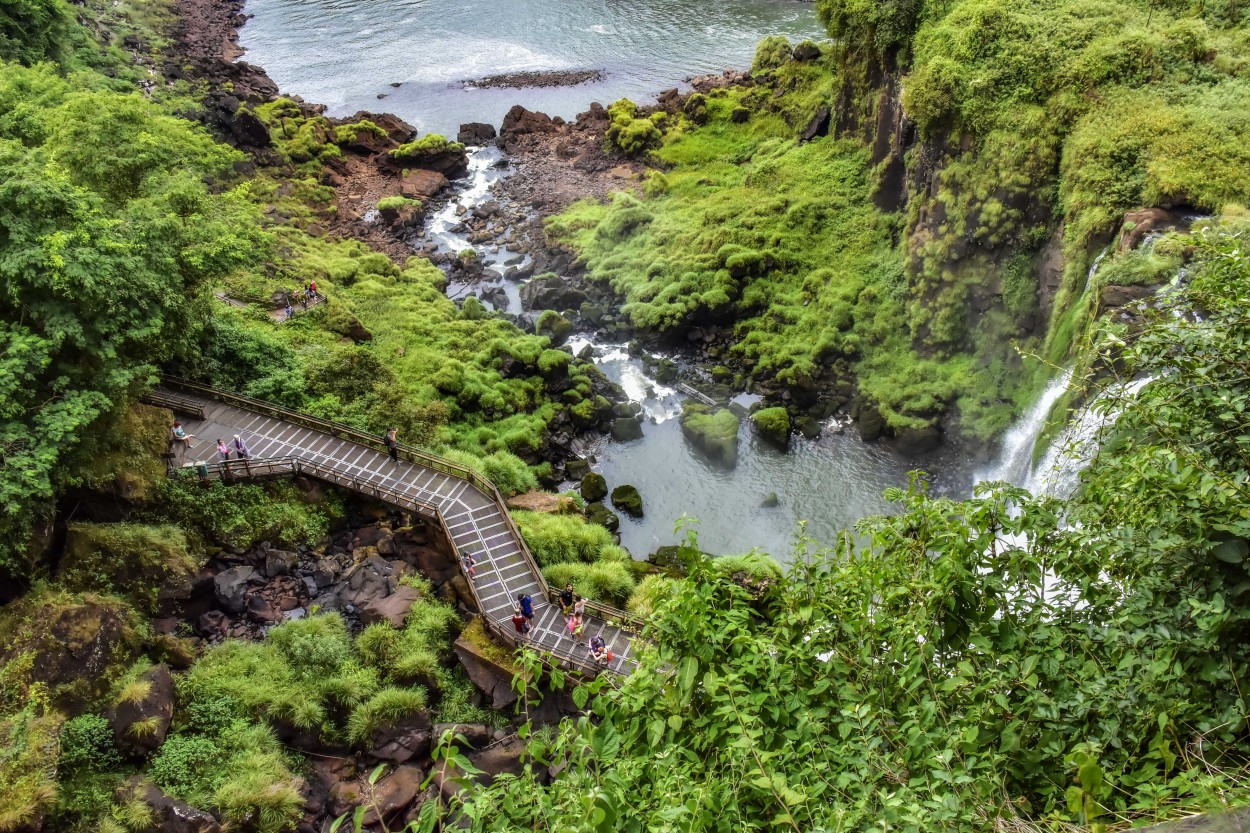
470,509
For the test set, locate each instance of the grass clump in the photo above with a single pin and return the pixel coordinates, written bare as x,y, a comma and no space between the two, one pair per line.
424,148
387,706
563,539
418,651
610,582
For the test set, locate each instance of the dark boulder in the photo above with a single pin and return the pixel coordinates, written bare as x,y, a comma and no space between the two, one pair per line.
168,815
230,587
141,720
476,735
476,133
739,115
392,797
817,126
552,292
625,429
806,51
249,130
869,422
594,487
393,608
420,184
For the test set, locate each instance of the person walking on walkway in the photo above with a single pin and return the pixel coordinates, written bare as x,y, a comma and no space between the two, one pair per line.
223,450
579,607
566,599
469,561
240,448
527,606
519,621
392,444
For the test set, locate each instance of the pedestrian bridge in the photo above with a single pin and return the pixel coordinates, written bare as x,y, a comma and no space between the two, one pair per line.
469,508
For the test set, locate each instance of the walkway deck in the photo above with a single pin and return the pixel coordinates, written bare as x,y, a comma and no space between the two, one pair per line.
284,443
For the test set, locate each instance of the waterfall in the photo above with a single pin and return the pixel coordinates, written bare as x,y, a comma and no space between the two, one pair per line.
1015,461
1059,471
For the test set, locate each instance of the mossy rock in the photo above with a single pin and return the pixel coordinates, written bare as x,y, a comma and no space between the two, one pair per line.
715,433
771,501
78,645
598,513
627,499
594,487
773,424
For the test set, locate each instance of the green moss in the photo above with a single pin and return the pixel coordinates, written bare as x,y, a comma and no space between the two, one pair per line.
475,633
714,432
424,148
561,539
773,424
630,133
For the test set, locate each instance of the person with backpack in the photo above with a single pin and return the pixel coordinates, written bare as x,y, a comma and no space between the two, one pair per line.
527,606
392,444
469,561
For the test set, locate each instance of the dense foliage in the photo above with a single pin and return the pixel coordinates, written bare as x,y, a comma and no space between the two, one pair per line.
999,661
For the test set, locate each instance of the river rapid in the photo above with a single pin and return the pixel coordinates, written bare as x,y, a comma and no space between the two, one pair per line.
348,54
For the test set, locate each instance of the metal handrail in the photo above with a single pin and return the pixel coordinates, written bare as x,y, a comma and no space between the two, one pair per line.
343,431
292,465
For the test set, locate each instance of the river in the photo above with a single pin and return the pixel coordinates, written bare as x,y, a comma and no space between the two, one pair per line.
348,53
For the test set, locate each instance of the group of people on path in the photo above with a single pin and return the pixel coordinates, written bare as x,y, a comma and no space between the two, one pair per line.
573,606
304,297
181,440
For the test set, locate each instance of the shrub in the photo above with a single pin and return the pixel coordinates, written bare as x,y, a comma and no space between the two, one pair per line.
652,590
132,560
561,539
610,582
631,134
191,767
416,652
87,744
770,53
386,707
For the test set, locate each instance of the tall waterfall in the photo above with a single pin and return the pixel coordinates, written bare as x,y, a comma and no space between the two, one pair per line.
1015,461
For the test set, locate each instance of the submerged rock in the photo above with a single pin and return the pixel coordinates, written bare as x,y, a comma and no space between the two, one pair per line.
598,513
773,424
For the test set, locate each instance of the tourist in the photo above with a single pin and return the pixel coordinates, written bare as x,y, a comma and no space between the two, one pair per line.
579,609
240,448
527,606
303,300
574,624
178,434
223,450
392,444
287,309
312,288
519,621
596,643
566,599
469,561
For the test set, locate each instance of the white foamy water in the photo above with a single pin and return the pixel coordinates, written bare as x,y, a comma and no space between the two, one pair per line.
1015,460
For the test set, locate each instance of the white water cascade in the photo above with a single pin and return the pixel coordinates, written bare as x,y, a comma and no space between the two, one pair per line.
1058,472
1015,461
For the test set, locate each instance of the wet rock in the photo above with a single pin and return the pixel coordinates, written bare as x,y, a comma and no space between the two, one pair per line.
577,468
140,723
625,429
230,587
498,760
393,608
770,501
715,432
869,422
1114,296
476,133
552,292
912,442
1137,224
627,499
594,487
262,610
403,740
598,513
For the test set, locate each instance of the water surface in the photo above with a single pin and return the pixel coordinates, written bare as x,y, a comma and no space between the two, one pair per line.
345,53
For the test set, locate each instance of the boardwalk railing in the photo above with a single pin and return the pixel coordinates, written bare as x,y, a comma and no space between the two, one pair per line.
291,465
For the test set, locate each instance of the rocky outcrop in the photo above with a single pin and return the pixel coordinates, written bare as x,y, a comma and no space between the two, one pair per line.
491,678
420,184
404,740
598,513
476,133
552,292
